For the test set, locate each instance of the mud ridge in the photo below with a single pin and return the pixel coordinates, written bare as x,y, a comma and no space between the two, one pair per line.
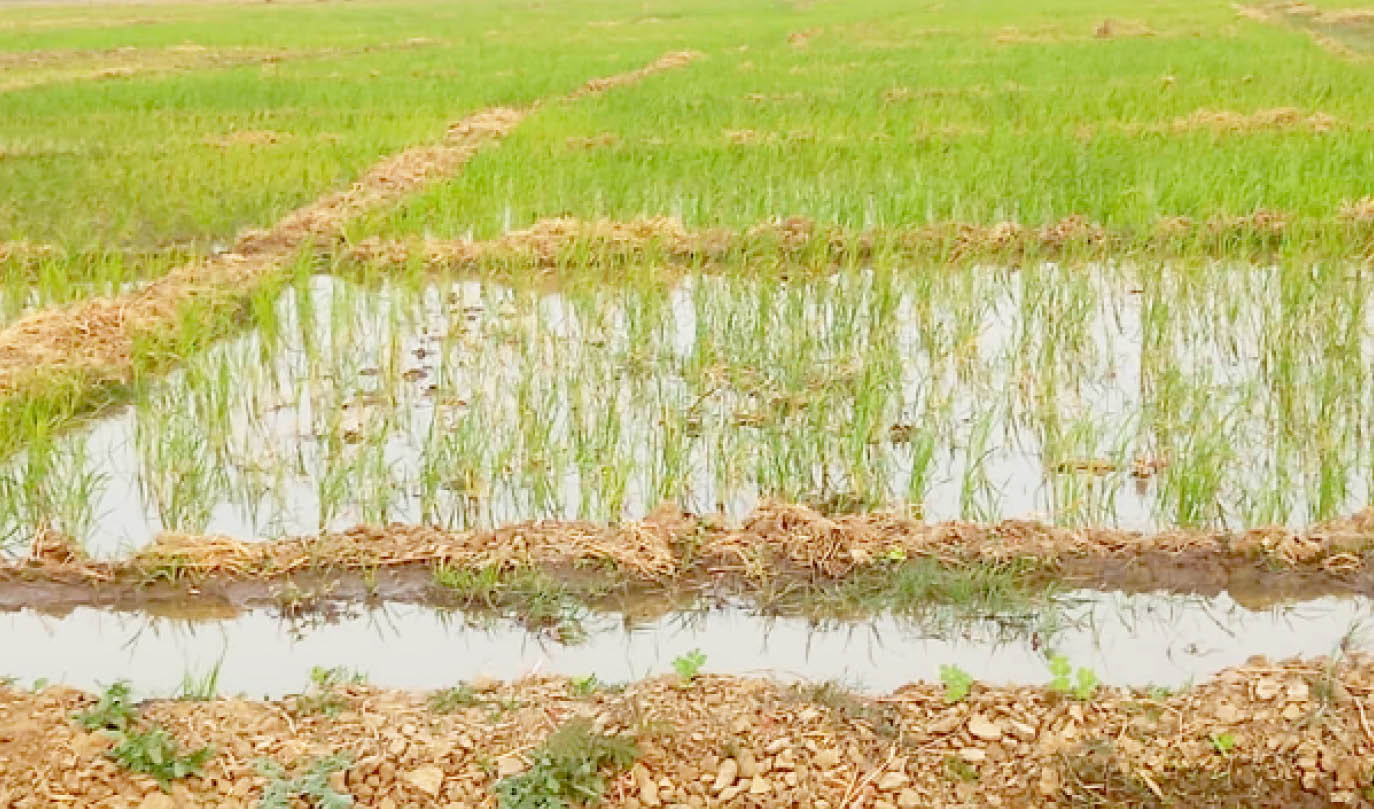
551,243
1291,734
671,550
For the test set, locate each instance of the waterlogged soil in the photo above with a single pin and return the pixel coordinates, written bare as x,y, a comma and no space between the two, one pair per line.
1293,734
1051,393
1138,640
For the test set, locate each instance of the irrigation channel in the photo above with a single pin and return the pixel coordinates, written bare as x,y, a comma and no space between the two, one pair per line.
1130,640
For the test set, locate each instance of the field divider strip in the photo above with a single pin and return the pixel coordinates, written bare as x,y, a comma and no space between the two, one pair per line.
1258,734
549,242
670,544
92,343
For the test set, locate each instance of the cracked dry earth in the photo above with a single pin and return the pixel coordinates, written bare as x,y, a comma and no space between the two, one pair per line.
1286,734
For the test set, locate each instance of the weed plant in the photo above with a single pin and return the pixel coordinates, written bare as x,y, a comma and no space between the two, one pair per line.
568,770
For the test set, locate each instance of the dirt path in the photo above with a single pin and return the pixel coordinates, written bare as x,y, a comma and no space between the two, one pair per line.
1281,735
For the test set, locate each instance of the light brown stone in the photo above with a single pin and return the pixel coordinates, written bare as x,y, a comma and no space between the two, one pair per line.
983,728
427,779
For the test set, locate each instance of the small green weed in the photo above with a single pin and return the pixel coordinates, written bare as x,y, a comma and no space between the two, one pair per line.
567,769
201,688
957,683
115,710
1063,680
688,666
323,696
156,753
449,700
584,686
958,769
313,786
1224,743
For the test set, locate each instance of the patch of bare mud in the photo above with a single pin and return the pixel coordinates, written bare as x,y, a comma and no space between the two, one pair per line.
1290,734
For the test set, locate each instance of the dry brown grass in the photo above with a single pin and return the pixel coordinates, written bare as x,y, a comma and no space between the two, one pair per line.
775,539
543,244
1360,210
26,69
801,39
25,250
1311,19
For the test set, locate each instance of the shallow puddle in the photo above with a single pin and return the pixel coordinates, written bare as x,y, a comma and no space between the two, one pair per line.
1137,397
1126,639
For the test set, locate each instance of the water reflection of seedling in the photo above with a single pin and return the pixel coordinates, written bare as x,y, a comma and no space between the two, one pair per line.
530,595
314,786
294,601
689,665
957,683
568,769
1063,680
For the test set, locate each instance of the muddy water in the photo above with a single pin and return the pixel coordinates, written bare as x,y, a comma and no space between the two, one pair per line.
1111,396
1129,640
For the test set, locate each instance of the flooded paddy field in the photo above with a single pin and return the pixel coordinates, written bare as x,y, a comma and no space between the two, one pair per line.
1132,397
712,406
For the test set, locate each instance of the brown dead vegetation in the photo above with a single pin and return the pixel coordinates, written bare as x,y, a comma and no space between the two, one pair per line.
250,137
776,540
1287,734
545,244
24,250
1224,123
801,39
1360,210
27,69
1228,122
1318,24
